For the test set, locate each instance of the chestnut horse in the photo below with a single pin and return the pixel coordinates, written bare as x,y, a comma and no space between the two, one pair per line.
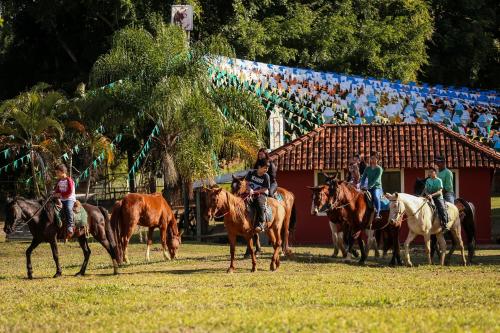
338,221
239,187
360,216
238,222
147,210
40,218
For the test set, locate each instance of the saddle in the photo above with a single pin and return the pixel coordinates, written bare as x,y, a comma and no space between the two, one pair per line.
369,201
80,219
252,212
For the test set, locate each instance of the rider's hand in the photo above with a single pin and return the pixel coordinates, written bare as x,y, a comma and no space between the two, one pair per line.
251,192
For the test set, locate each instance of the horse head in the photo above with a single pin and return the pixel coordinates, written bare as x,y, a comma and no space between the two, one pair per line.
13,215
213,201
238,185
319,199
173,240
396,208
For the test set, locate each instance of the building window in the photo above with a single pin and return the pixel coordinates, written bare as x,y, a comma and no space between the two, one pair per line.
392,181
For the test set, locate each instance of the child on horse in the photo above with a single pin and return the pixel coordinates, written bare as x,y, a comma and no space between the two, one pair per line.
434,191
65,191
263,155
373,173
259,183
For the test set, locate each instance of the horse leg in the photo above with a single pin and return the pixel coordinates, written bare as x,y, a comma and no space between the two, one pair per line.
411,236
362,249
232,246
163,233
457,239
372,243
55,255
333,228
276,242
252,253
442,248
340,243
258,248
396,247
109,248
427,242
34,243
149,241
349,241
82,240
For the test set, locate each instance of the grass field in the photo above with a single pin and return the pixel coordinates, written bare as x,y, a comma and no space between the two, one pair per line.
310,292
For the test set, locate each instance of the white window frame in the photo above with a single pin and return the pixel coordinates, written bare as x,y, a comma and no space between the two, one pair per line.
330,172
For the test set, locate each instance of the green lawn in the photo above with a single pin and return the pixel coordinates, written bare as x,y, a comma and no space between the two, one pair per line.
310,293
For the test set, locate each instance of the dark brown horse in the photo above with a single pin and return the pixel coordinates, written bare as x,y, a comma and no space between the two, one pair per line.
238,222
239,187
360,216
39,215
147,210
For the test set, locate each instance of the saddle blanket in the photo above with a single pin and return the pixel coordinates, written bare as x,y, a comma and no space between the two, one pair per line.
79,218
383,201
268,214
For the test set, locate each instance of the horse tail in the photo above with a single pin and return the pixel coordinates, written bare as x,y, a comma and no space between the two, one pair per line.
115,230
293,219
109,232
469,226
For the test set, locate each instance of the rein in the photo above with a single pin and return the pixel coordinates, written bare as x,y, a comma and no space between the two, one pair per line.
410,213
16,227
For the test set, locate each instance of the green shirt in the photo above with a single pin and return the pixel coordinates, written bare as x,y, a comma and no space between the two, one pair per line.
433,185
447,177
374,176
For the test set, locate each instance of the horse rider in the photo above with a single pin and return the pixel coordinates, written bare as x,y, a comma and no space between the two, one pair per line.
446,177
263,155
260,184
65,192
354,172
434,191
373,173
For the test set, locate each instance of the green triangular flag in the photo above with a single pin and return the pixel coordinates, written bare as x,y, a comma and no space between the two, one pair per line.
65,156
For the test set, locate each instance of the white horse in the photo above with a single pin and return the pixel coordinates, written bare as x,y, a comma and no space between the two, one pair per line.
422,221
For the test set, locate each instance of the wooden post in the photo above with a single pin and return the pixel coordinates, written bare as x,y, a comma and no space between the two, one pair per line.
198,215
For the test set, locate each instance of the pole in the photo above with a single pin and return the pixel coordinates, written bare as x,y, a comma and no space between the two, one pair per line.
198,215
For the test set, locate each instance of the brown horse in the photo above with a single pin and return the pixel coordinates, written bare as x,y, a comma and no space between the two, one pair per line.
40,218
361,216
239,187
238,222
147,210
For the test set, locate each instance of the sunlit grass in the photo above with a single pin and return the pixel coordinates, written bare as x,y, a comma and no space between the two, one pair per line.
311,292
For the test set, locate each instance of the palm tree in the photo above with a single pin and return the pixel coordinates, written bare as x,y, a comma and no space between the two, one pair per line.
30,123
169,82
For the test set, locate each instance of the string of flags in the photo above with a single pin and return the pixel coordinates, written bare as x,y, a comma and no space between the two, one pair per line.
97,161
14,165
143,152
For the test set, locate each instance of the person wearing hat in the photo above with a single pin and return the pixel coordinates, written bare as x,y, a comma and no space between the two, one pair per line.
373,175
434,191
446,177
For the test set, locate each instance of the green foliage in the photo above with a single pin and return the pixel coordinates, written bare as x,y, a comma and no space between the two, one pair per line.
368,37
465,48
169,83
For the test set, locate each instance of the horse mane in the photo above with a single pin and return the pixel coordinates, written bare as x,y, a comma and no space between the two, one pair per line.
236,206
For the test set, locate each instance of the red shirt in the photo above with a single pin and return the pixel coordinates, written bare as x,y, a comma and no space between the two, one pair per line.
66,187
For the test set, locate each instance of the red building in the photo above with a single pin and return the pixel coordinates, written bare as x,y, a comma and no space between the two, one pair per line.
406,149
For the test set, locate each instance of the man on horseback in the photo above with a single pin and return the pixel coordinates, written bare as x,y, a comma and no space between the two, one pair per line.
263,155
259,183
434,191
65,191
373,173
446,177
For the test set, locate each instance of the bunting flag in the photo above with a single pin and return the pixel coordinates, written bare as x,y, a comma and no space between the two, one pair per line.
97,161
144,151
15,164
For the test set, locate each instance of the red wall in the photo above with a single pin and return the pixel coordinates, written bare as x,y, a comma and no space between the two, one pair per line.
474,186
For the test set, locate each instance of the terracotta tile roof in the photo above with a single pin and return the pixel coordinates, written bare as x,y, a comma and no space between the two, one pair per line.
329,147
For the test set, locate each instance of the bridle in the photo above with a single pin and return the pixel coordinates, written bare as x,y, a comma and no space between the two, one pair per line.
400,214
16,226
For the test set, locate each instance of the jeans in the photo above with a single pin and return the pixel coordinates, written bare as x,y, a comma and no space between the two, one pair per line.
442,210
449,197
272,189
68,212
260,206
376,195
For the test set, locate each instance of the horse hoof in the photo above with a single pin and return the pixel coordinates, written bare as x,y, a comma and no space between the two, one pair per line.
58,274
247,256
253,270
79,274
361,263
230,270
30,277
